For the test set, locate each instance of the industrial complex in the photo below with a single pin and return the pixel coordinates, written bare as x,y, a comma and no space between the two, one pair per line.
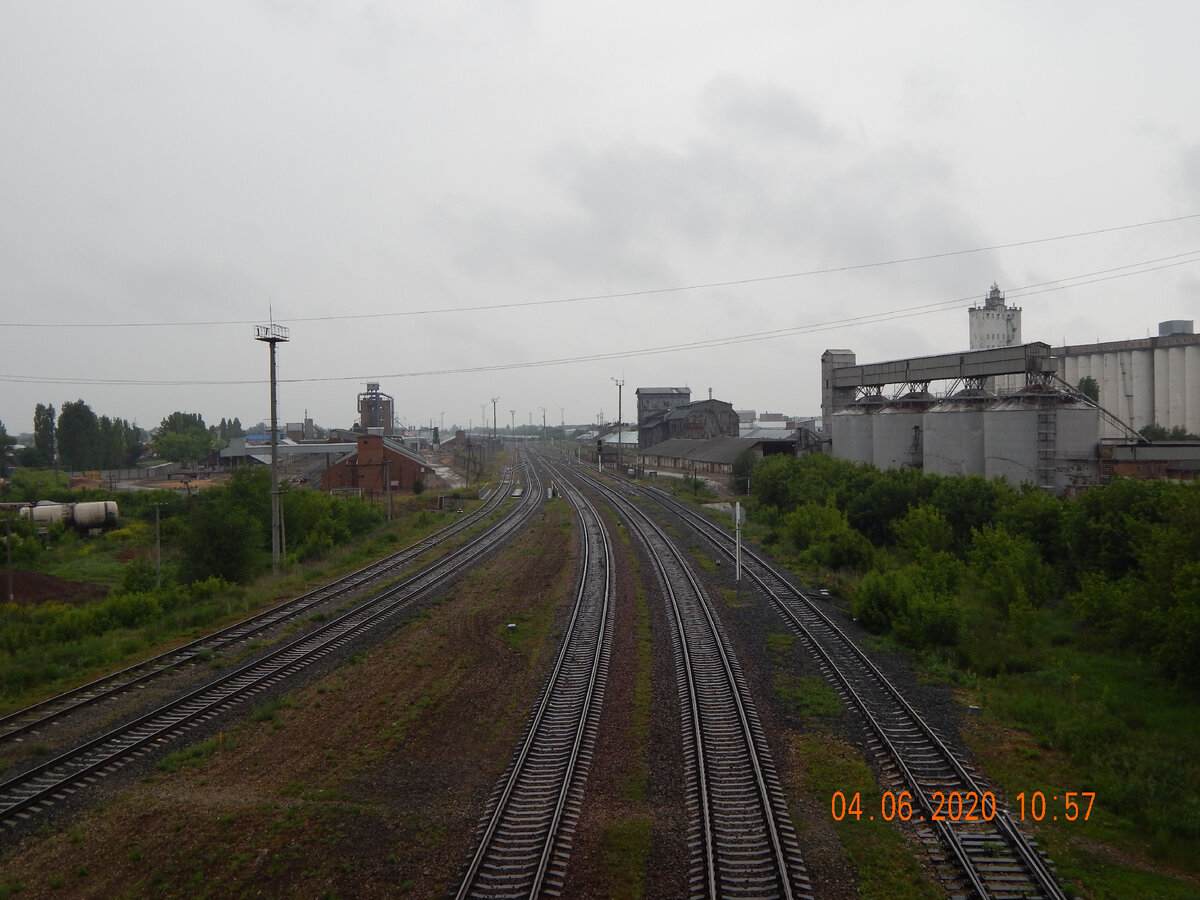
1013,410
1004,408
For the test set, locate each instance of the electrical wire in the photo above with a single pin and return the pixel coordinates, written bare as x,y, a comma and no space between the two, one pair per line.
1060,284
649,292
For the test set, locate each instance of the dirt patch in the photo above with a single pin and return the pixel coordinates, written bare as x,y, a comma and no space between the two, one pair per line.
30,588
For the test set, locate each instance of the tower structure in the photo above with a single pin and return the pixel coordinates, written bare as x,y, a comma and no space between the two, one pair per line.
992,325
376,410
995,324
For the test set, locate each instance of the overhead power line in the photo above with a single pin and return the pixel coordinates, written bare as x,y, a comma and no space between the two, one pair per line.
1058,284
625,295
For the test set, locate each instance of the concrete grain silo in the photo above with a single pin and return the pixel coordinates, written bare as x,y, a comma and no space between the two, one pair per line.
1041,436
853,430
954,431
897,436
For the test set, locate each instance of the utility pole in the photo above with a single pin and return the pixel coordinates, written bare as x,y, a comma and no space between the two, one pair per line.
620,383
494,425
543,423
157,545
273,334
8,545
387,482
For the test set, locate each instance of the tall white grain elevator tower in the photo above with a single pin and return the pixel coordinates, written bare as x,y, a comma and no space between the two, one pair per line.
996,325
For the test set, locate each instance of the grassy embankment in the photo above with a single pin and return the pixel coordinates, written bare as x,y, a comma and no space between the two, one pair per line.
1075,716
50,646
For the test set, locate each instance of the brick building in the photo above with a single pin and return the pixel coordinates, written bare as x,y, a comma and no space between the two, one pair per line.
378,458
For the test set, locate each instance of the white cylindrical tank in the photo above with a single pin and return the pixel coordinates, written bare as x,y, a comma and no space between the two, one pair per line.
1010,441
45,513
1018,431
954,432
897,439
96,514
853,427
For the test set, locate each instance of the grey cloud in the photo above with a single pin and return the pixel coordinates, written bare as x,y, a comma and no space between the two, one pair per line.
762,111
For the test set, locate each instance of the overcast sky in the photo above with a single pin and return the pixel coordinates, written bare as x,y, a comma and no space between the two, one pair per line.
527,200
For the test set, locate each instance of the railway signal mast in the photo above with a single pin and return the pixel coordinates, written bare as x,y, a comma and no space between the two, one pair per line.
274,334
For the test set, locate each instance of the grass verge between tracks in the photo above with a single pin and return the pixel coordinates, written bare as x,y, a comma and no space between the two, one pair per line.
628,841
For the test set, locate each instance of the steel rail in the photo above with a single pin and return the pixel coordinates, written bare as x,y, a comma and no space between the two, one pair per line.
786,862
21,795
564,709
36,715
1036,868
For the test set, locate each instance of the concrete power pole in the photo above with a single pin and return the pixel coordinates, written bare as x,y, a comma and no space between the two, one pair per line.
620,383
271,335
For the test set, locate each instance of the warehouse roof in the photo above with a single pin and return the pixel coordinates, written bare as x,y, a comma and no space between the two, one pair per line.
715,450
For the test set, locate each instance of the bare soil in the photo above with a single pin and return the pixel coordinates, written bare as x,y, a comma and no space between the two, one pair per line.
36,587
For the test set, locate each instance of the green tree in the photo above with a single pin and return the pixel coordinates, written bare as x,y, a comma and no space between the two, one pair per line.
743,467
7,442
43,431
917,606
1103,528
183,438
921,531
873,499
785,482
970,503
813,522
120,443
1008,572
1162,433
226,430
224,540
78,434
1090,388
1037,515
32,458
228,531
135,446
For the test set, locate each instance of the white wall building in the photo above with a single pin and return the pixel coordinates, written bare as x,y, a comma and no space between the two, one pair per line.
1151,381
996,325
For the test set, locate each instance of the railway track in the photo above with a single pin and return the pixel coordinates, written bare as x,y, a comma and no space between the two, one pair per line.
524,839
989,858
39,787
741,841
30,719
